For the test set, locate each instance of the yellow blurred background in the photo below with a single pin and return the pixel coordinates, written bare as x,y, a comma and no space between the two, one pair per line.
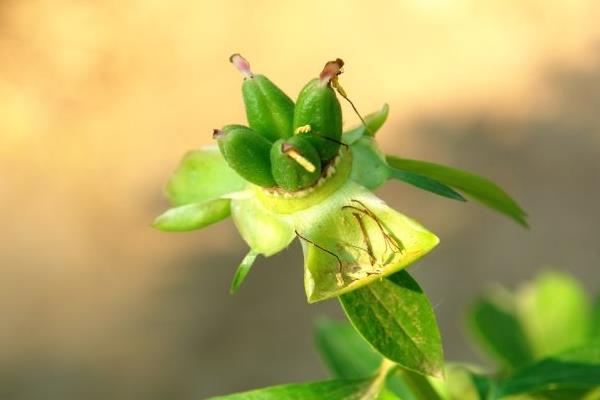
99,100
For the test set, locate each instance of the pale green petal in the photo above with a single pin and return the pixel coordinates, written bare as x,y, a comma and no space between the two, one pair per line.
193,216
369,167
265,232
354,238
202,175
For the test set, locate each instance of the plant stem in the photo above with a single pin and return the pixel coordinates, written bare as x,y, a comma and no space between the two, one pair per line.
378,381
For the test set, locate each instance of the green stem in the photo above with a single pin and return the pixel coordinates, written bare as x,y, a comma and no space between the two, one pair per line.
378,382
418,384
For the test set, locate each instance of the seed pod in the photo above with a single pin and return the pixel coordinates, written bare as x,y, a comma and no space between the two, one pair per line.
318,113
247,153
295,162
269,110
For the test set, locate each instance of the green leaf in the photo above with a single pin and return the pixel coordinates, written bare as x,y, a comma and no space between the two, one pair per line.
555,313
242,271
373,121
575,369
425,183
481,189
193,216
346,354
202,175
330,390
493,323
595,324
396,318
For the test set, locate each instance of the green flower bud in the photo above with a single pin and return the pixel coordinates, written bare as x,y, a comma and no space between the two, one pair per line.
269,110
247,152
295,163
318,114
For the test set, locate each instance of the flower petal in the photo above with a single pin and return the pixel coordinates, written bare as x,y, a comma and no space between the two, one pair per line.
354,238
193,216
202,175
265,232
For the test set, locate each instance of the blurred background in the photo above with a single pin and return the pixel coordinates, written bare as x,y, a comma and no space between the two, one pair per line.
100,99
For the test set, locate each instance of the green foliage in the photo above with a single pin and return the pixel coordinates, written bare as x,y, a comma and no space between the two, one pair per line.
566,373
499,331
425,183
396,318
330,390
479,188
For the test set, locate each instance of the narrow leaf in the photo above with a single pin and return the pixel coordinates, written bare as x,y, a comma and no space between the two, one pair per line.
425,183
481,189
575,369
373,122
331,390
396,318
496,327
193,216
242,271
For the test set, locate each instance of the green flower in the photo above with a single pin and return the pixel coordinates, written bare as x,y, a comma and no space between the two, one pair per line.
287,176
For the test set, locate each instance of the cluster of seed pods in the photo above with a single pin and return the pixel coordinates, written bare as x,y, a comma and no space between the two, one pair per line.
285,146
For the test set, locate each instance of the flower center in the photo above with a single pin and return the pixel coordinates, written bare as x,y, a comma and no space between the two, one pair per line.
334,175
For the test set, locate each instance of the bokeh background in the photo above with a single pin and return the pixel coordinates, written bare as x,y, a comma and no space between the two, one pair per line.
99,100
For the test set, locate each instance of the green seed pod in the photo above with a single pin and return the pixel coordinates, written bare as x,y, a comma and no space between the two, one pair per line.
269,110
318,114
295,162
247,153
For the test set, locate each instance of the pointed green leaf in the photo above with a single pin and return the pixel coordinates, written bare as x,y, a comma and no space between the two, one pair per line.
555,313
193,216
493,323
575,369
330,390
202,175
481,189
396,318
425,183
373,121
242,271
